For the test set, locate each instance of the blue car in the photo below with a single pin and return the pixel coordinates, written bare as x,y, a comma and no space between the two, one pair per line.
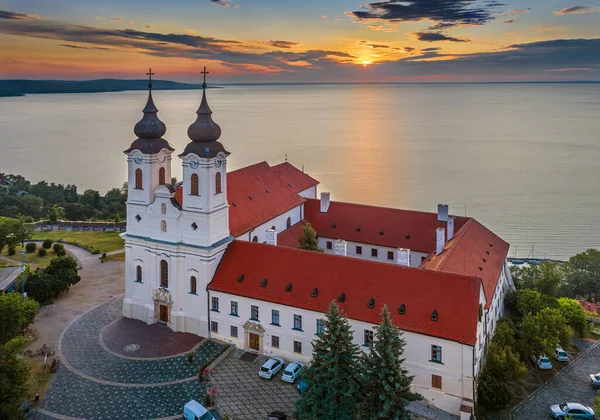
572,411
302,386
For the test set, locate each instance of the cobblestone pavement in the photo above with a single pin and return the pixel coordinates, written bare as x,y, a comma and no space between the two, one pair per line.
135,388
245,395
572,384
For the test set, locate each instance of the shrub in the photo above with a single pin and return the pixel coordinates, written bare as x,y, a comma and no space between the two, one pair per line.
190,357
61,253
57,247
493,394
207,400
597,403
12,250
47,243
42,252
30,247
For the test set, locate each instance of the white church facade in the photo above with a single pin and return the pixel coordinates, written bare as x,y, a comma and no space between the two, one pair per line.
217,255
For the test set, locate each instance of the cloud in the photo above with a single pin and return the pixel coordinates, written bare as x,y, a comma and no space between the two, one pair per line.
571,69
79,47
431,49
117,19
283,44
437,36
17,16
519,11
222,3
408,49
576,10
324,17
148,26
444,12
130,22
99,17
509,21
547,28
377,46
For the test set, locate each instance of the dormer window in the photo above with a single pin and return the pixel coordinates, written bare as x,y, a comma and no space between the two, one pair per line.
358,229
371,303
314,292
342,298
434,315
407,236
240,278
263,283
288,288
402,309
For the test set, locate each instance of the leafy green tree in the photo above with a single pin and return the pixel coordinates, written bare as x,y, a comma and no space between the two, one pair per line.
503,363
504,334
582,274
9,232
333,389
574,313
543,332
550,278
15,315
64,268
525,276
55,213
528,301
40,286
492,393
309,240
55,279
13,379
385,383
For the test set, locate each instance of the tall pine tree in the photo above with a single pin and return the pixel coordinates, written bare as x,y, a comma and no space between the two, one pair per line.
333,389
385,383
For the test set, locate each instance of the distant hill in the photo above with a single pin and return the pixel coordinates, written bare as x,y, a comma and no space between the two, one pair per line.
23,87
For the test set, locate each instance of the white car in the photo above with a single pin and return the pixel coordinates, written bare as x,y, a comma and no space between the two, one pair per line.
193,410
561,355
291,372
542,362
270,368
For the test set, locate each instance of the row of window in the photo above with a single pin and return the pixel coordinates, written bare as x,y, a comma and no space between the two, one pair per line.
233,332
139,184
359,250
164,277
194,181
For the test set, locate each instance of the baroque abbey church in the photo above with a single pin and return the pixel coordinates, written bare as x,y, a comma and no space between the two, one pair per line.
218,255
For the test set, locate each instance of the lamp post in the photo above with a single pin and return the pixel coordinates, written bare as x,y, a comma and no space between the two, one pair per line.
23,276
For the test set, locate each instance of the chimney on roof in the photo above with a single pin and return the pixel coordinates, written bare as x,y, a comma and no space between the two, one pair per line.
440,234
271,238
450,227
403,257
341,247
324,202
442,212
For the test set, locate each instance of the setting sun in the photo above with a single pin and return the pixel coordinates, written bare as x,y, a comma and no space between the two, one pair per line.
366,63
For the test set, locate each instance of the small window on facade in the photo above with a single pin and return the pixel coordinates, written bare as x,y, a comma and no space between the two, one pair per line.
164,274
320,326
359,250
214,326
234,331
194,226
138,273
436,381
163,208
254,312
402,310
255,239
436,354
315,292
329,245
297,347
218,183
193,285
368,337
234,308
275,317
161,176
434,315
373,252
275,341
288,223
163,225
138,218
215,304
298,322
194,190
138,179
390,255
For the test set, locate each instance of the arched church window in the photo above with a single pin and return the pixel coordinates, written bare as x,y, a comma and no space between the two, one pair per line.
194,184
138,273
163,208
288,223
164,274
193,284
218,183
138,179
163,226
161,176
255,239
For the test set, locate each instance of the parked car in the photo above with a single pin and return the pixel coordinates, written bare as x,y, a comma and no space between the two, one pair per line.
572,411
302,386
561,355
193,410
292,372
595,379
270,368
542,362
277,415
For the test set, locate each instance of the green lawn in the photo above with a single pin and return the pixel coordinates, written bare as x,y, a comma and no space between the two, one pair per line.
101,241
32,258
115,257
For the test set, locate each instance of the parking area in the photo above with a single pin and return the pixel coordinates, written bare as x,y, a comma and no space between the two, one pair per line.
571,384
245,395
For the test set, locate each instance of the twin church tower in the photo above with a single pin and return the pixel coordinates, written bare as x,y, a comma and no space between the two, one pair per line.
175,236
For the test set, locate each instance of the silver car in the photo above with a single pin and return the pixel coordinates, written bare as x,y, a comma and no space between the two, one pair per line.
270,368
595,380
291,372
572,411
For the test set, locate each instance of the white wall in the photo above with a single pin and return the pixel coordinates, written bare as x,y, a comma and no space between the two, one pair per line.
280,222
457,359
309,192
382,252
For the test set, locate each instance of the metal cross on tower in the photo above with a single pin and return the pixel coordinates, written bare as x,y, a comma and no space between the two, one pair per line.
204,73
150,74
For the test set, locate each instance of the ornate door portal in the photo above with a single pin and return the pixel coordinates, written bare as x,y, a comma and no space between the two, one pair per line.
254,342
162,305
164,314
254,335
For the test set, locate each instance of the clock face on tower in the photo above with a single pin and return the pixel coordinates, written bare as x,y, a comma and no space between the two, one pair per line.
138,158
218,161
194,162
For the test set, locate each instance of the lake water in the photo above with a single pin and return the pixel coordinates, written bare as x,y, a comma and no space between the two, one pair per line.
524,159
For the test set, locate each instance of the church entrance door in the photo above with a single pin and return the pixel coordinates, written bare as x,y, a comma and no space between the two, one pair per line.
254,343
164,313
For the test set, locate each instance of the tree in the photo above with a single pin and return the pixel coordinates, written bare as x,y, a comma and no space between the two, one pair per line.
544,331
40,286
492,393
55,279
524,277
385,384
64,268
528,301
504,334
13,379
10,230
15,315
333,389
503,363
309,240
550,278
574,313
583,273
55,213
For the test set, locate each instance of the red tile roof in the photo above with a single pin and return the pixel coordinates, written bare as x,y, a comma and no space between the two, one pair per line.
455,297
296,180
414,230
289,237
474,251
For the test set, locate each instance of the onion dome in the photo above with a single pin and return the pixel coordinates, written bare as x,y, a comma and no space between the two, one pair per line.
204,129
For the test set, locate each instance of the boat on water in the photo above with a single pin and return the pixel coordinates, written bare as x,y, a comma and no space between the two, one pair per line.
517,262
